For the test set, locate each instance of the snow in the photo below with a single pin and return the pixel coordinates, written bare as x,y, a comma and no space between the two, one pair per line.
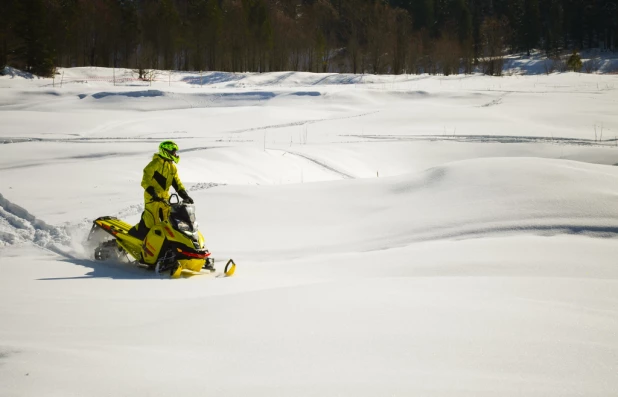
394,235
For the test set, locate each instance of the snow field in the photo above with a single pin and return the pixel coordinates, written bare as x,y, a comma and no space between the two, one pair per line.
394,236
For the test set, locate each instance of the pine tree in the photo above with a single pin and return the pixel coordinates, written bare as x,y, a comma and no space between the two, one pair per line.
129,28
31,28
554,37
530,27
168,30
7,23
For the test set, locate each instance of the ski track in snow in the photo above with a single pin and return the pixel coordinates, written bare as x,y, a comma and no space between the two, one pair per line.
491,139
495,102
393,138
321,164
10,140
142,138
301,122
204,186
93,156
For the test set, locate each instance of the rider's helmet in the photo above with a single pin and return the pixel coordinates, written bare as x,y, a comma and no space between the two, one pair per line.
167,150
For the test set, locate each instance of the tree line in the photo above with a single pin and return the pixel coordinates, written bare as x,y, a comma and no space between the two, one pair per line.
354,36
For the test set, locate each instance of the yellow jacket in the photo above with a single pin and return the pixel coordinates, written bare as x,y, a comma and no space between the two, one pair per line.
160,174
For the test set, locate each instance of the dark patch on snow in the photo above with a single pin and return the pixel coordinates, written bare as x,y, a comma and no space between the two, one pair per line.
593,231
278,78
5,353
249,98
248,95
131,94
19,140
306,93
38,93
346,79
9,71
212,78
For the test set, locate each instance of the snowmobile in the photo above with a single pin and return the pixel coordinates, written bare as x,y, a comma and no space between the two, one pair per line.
174,245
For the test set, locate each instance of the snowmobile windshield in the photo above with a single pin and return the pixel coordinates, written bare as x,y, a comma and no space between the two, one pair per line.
182,217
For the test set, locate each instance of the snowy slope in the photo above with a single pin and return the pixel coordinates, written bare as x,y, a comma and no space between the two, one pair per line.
394,236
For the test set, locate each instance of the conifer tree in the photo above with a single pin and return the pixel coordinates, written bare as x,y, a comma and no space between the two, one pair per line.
530,27
7,22
168,26
31,26
129,28
382,36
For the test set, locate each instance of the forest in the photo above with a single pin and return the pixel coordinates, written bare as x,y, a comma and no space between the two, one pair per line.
351,36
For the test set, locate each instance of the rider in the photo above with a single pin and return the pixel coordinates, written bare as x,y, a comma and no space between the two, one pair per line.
159,175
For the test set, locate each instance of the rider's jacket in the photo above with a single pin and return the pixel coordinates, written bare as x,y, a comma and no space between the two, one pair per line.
160,174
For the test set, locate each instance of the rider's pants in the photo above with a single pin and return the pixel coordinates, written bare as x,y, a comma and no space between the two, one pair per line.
155,212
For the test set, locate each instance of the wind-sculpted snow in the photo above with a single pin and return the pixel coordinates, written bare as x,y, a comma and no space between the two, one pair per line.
460,200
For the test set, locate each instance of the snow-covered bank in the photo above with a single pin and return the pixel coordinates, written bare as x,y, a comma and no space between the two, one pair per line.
407,235
474,198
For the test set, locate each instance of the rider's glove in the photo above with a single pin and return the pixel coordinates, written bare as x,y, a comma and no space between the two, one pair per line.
185,196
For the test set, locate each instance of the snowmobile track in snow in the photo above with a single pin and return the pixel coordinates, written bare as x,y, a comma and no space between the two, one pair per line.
321,164
490,139
496,101
11,140
17,225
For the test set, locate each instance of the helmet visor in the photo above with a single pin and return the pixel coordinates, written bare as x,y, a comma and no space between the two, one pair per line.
174,156
170,155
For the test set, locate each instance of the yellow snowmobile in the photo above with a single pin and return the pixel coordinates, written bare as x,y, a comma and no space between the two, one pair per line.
174,245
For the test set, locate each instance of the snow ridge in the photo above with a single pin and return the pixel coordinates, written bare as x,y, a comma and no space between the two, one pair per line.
18,226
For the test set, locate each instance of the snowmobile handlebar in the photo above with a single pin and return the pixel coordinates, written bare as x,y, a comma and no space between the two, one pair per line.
169,201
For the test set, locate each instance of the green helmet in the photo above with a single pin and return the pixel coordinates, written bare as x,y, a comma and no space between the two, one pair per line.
167,150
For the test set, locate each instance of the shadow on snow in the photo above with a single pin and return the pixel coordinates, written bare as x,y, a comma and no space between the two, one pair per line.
212,78
107,269
132,94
